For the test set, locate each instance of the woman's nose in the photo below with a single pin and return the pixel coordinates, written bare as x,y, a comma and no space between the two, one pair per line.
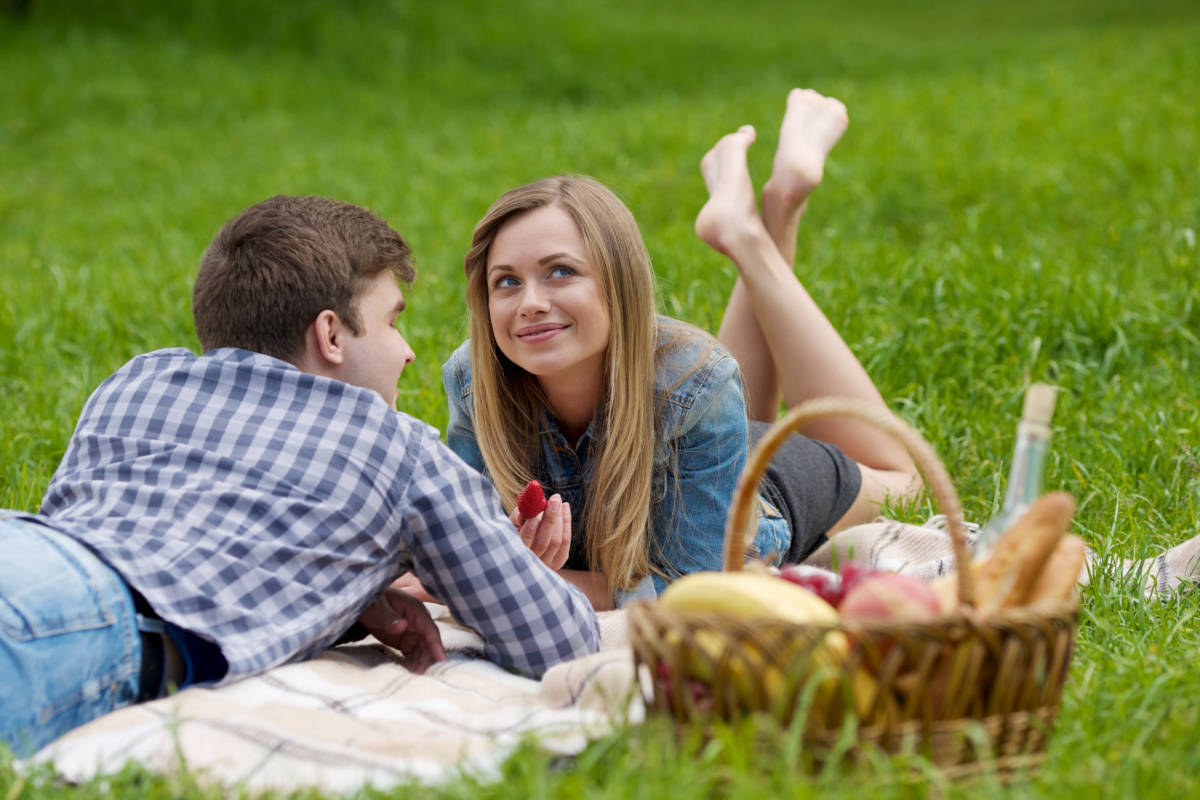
534,299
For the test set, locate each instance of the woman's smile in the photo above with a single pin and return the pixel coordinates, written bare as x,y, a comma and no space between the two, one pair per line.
535,334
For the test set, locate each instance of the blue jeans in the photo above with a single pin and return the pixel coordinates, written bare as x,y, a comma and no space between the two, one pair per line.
70,650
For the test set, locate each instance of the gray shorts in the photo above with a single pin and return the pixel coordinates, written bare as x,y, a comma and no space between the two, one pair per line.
812,484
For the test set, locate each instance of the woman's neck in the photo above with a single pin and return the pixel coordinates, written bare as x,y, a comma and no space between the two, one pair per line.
573,401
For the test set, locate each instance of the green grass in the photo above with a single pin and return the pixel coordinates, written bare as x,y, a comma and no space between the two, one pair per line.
1016,199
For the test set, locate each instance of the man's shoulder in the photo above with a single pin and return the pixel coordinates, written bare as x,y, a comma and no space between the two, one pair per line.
218,376
157,358
142,368
175,358
253,389
414,429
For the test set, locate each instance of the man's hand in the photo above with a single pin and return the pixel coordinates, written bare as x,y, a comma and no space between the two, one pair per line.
409,583
400,620
548,534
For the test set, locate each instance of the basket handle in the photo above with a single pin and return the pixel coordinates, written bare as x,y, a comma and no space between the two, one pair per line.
737,525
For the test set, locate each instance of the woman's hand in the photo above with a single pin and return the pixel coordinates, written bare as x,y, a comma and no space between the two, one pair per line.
400,620
548,534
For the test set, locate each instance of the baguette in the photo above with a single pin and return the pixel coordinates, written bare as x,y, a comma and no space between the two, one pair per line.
1010,572
1061,572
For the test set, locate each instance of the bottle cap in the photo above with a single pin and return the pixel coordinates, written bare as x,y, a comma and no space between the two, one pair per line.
1039,403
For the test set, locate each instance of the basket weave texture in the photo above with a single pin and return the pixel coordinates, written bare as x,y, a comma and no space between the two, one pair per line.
963,689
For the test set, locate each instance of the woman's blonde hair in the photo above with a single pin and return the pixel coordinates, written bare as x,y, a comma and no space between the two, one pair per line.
508,402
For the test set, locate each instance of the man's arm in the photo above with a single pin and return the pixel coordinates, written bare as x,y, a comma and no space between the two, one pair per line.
548,535
466,552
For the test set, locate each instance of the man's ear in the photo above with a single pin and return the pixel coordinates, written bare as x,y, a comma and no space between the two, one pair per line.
323,342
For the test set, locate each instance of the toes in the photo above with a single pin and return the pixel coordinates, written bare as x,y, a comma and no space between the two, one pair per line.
742,138
738,141
839,107
797,96
811,97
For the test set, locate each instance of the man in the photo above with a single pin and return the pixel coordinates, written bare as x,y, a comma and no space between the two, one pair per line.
216,516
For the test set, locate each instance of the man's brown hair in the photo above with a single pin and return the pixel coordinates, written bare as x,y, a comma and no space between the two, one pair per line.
277,265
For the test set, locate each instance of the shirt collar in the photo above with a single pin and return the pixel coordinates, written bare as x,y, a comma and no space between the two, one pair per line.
550,428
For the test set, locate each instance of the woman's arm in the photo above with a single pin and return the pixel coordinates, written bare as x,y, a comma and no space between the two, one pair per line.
593,585
709,443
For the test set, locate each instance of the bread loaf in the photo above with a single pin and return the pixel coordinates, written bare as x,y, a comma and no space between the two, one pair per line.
1008,575
1061,572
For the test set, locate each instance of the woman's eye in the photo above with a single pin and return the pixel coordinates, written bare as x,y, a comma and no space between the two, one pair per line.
561,272
504,282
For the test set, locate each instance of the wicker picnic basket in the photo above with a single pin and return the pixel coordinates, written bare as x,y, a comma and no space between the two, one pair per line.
965,690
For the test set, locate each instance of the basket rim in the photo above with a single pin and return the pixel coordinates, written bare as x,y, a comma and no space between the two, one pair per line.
1067,609
738,522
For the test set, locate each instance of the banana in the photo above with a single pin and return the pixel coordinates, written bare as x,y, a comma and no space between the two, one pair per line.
747,594
754,675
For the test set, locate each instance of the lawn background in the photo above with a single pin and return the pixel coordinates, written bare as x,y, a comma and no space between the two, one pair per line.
1016,199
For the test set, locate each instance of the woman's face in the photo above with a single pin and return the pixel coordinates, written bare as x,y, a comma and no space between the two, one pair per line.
545,301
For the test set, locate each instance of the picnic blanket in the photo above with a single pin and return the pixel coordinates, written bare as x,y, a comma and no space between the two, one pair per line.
356,716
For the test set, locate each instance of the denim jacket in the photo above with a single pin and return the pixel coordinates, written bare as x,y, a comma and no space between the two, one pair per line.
703,419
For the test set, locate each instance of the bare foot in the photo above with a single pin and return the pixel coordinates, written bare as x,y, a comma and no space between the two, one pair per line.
812,125
731,209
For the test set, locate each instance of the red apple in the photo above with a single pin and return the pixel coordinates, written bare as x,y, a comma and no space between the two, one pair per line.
825,586
886,595
851,573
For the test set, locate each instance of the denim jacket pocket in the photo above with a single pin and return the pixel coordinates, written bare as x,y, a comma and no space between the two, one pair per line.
46,588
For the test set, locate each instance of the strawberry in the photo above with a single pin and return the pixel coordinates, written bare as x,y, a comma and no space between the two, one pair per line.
531,501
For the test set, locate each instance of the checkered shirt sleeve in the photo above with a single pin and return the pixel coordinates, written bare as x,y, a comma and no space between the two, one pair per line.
467,552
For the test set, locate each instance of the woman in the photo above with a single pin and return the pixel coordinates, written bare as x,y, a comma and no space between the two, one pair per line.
639,424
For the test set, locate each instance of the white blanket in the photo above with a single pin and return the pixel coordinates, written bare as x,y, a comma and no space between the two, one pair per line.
355,715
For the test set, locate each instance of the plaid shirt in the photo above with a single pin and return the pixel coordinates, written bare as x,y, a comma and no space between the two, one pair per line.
264,508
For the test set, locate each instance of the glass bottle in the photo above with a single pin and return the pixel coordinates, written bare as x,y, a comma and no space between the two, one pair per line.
1028,465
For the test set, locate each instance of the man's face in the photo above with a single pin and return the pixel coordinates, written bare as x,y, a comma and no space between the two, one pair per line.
375,358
